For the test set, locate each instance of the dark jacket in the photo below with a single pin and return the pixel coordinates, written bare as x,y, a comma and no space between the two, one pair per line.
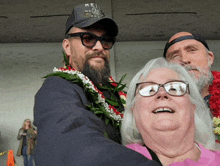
69,134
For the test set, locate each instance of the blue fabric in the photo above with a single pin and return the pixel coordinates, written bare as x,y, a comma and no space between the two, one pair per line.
28,159
68,134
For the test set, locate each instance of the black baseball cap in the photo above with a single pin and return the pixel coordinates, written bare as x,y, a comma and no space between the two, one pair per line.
87,14
197,37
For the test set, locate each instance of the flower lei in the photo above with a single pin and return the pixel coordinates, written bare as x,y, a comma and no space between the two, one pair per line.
101,106
214,102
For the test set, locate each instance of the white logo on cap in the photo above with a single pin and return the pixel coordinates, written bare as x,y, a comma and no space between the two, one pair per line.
95,10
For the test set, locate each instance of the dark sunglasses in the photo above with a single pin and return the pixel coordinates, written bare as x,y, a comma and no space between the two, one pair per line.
89,39
173,88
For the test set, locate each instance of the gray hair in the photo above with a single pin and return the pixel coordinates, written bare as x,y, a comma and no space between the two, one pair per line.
203,118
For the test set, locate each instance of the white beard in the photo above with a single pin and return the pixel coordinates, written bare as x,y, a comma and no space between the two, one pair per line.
204,79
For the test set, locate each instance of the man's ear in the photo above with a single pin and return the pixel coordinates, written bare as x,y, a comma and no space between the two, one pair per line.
211,57
66,46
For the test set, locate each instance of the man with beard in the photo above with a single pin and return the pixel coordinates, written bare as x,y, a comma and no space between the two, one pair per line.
78,112
192,52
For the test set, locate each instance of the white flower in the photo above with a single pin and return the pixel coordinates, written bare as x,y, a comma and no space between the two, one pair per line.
89,85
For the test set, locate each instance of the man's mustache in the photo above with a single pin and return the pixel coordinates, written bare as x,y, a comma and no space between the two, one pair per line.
97,54
189,67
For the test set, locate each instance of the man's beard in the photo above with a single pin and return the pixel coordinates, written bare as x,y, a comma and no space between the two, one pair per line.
97,76
205,78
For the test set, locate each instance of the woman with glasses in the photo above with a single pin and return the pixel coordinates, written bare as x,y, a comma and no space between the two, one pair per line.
166,118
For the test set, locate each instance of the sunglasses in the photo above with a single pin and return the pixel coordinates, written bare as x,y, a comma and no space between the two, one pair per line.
89,39
173,88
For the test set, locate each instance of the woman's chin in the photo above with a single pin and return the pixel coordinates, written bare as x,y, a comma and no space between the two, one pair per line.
166,125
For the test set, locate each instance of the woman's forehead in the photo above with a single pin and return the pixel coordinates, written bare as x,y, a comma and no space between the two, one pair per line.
160,74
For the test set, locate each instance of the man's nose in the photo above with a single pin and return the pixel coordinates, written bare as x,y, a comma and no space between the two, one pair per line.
185,59
98,46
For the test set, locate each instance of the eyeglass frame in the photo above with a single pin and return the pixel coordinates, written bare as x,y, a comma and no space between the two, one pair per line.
81,34
162,85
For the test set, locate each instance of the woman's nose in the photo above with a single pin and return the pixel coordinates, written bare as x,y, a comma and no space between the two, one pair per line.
162,94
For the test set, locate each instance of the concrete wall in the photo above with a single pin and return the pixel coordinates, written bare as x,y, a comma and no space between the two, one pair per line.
22,67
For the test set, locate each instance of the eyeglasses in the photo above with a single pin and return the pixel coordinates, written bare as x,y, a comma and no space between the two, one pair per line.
173,88
89,39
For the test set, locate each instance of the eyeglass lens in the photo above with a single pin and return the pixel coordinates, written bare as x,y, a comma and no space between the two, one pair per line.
172,88
90,40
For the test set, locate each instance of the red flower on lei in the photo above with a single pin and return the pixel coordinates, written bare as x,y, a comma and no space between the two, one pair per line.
214,102
122,94
214,90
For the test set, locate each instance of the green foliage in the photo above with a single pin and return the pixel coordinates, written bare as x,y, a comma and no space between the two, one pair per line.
96,106
120,86
65,59
112,102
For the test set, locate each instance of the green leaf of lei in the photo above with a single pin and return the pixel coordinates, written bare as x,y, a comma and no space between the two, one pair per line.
65,59
92,96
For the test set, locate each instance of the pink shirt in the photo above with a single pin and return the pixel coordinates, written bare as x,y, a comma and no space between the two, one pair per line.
207,158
